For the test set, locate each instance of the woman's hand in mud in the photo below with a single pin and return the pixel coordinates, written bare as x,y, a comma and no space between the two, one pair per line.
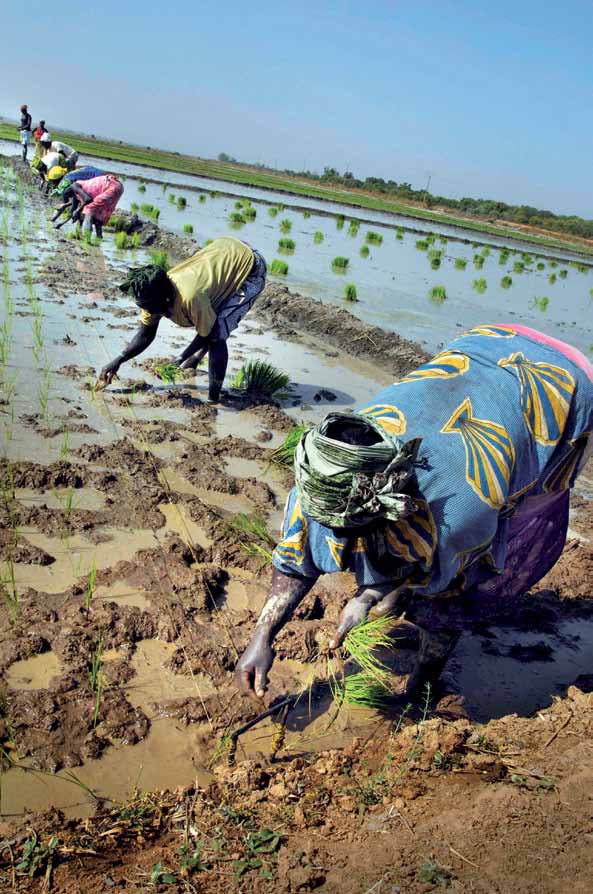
109,372
252,671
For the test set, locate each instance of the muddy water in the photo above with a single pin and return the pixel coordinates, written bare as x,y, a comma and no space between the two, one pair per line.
34,673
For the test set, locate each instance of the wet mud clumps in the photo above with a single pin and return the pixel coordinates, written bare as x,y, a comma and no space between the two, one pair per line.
43,477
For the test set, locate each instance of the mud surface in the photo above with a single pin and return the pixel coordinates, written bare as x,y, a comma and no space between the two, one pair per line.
129,593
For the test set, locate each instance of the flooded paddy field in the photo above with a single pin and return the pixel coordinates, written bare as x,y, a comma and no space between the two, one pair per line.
128,596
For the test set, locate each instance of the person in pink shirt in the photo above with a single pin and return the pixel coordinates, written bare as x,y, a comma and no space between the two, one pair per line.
98,200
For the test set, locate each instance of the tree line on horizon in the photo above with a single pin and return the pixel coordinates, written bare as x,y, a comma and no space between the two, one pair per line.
490,209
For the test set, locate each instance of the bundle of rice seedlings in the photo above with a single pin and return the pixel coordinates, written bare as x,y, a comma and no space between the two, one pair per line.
370,687
353,228
318,237
202,198
168,372
340,262
250,213
541,266
273,212
181,202
286,225
160,258
552,278
364,251
485,251
284,455
150,210
518,267
350,292
117,223
438,294
135,240
188,228
286,245
506,282
255,537
435,263
526,257
236,217
374,238
563,273
361,691
171,198
460,263
480,285
141,187
340,218
121,240
478,261
259,377
553,264
503,256
278,268
239,205
399,233
306,214
422,244
434,254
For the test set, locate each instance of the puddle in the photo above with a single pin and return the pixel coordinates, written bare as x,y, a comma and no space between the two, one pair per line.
154,682
244,592
180,522
122,593
513,671
35,672
239,467
243,425
62,498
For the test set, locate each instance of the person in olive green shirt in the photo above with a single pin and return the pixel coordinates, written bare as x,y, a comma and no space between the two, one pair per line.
210,292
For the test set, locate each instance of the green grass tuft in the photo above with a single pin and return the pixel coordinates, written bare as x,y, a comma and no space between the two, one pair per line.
278,268
438,294
259,377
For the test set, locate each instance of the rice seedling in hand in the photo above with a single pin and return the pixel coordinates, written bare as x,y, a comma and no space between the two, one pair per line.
284,455
563,273
541,303
361,691
506,282
181,202
370,687
278,268
340,263
188,228
259,377
422,244
350,292
168,372
552,278
286,245
480,285
460,263
373,238
318,237
160,258
438,294
286,225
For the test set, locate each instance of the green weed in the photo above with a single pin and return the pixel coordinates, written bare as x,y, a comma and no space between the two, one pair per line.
460,263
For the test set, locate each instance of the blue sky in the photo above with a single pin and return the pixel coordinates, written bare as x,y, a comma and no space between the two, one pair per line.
489,103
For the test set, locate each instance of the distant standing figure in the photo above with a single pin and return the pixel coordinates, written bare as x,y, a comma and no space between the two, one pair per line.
39,131
98,200
70,154
25,129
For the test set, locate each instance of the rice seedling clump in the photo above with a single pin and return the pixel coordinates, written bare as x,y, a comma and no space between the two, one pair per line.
286,225
541,303
188,228
340,262
364,251
438,294
278,268
478,261
150,210
460,263
518,267
181,202
318,237
284,455
340,218
563,273
350,292
273,212
422,244
506,282
121,240
480,285
141,187
161,259
374,238
168,372
286,245
552,278
255,537
259,377
236,217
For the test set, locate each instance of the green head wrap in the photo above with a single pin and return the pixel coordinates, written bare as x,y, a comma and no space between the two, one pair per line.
150,287
345,484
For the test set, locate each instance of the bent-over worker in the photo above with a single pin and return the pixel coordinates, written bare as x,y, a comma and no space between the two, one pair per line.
97,199
210,292
447,495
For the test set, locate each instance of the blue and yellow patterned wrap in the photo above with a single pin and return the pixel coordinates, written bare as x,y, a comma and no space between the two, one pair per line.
501,417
